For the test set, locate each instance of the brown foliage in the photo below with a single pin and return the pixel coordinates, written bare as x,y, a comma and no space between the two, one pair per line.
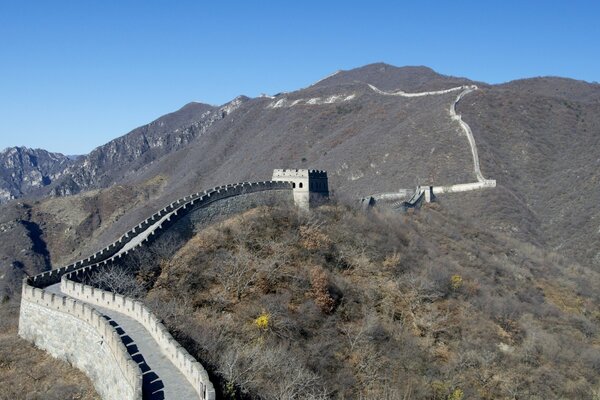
319,282
427,303
312,238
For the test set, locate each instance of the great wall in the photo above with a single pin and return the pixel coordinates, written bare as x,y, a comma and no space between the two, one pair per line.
93,329
117,341
397,200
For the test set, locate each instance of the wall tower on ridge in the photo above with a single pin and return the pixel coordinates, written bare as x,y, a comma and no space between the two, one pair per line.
309,186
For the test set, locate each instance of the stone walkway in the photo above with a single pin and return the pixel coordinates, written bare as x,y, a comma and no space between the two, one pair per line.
481,183
162,379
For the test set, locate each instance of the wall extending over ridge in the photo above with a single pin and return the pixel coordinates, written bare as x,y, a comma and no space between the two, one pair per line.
70,328
309,186
395,199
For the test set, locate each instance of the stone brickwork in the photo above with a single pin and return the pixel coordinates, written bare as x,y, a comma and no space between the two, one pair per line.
191,369
66,324
309,186
75,332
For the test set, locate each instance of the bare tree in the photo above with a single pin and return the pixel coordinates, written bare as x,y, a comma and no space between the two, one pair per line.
118,279
238,271
165,246
254,366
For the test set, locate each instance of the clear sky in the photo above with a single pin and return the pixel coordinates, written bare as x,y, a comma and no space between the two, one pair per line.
75,74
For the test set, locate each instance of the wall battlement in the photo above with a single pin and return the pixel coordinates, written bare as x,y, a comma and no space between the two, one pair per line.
117,360
192,369
48,318
310,186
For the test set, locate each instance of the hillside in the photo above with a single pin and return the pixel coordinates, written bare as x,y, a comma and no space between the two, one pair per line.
536,137
339,304
540,139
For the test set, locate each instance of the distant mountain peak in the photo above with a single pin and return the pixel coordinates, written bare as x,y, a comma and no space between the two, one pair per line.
383,67
390,77
194,106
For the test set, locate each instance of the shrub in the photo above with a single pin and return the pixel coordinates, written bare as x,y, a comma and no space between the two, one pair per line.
262,321
312,239
457,394
378,309
391,260
319,282
456,282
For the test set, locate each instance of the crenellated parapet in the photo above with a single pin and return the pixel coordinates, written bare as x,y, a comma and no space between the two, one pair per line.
310,186
116,363
52,318
179,356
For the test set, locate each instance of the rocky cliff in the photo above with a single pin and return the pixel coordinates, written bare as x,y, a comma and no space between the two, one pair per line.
23,170
36,173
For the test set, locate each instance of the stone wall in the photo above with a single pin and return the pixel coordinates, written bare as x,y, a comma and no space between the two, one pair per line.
199,218
396,200
219,207
464,187
191,369
309,186
75,332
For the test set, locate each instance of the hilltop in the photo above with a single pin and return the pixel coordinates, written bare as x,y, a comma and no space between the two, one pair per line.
342,304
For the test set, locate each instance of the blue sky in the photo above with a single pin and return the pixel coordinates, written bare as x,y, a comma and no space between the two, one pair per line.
75,74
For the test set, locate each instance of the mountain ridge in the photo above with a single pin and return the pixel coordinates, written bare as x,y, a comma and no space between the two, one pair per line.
147,143
532,141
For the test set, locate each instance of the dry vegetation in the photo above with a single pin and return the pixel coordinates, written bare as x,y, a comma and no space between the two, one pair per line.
32,374
341,304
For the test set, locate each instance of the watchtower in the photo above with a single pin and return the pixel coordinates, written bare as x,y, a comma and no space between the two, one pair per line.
309,186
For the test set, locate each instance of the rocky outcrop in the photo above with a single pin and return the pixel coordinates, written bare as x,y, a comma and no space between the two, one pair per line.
37,172
23,170
126,155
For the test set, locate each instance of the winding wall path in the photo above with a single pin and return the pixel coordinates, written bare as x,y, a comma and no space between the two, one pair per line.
481,183
139,358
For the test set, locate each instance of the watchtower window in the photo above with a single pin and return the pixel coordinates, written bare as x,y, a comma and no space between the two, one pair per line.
293,185
300,185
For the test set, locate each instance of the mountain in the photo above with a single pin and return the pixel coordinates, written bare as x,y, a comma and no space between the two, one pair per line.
540,139
527,251
389,77
537,137
129,155
125,155
23,170
37,173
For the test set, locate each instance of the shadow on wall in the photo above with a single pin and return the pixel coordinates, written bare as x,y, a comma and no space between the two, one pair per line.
152,385
138,379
